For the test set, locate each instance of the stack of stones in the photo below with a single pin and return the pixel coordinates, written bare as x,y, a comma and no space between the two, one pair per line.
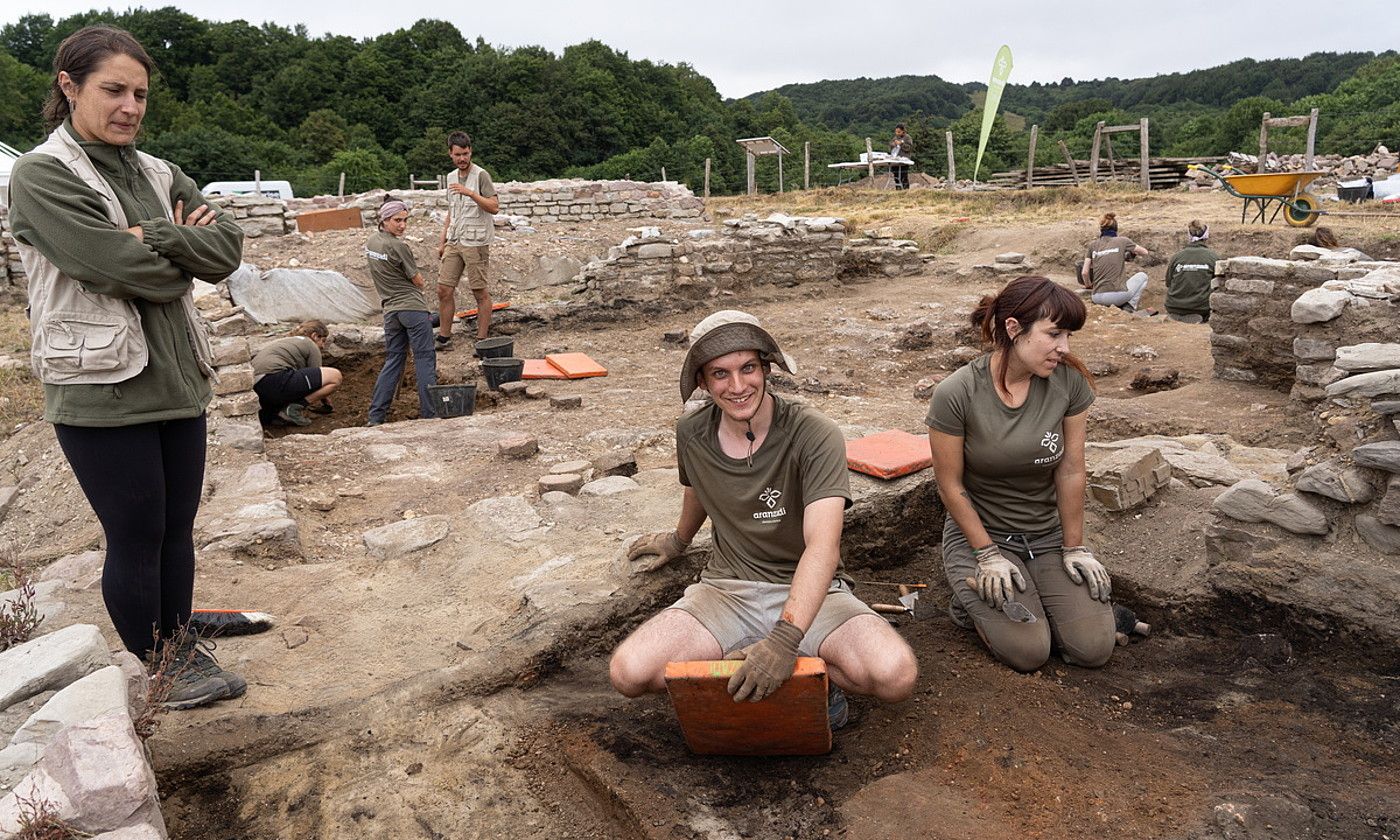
68,709
1332,321
11,271
559,200
258,215
880,253
778,251
1378,165
1258,307
233,414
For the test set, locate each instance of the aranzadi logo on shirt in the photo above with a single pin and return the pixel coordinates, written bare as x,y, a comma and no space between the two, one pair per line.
1051,441
773,510
375,255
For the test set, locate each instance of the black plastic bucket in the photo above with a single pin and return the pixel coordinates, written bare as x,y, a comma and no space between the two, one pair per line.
501,347
453,400
500,371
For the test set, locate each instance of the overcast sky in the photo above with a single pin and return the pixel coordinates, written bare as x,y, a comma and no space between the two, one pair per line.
750,46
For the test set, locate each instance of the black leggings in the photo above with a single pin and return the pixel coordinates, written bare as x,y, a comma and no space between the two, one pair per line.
144,484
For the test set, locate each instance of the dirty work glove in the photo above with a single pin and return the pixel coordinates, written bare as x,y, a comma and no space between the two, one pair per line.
995,576
1081,567
666,545
767,663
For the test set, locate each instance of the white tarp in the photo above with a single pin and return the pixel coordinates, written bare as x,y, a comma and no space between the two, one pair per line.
297,294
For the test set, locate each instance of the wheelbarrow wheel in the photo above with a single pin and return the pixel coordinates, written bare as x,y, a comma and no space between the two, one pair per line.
1303,211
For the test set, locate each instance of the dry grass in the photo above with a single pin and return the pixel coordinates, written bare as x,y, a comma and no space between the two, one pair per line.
18,616
38,820
21,397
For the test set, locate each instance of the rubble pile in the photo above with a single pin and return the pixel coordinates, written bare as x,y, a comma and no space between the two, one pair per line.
1379,164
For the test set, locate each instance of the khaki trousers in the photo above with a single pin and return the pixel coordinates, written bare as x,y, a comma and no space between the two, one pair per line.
1078,626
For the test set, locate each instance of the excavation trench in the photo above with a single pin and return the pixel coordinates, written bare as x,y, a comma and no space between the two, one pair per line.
1235,719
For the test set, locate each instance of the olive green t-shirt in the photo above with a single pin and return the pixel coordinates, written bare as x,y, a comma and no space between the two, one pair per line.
393,268
1107,256
291,353
756,512
1188,280
1009,454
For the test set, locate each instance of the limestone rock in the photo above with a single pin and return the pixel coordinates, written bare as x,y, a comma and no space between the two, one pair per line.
512,516
243,432
1122,479
1384,455
96,777
1386,406
616,463
580,467
560,482
1252,500
1010,258
609,486
1359,358
514,389
1376,384
566,402
232,379
237,405
233,350
1335,480
535,391
16,762
1388,511
399,538
518,446
1378,535
76,571
97,694
51,661
1313,349
1316,306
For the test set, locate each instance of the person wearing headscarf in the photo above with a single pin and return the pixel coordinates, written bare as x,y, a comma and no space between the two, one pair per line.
408,321
1189,275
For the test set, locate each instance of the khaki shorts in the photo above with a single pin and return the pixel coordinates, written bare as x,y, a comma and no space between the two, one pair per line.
474,259
740,612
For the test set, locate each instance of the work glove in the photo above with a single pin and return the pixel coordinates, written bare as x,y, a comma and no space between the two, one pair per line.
768,663
995,576
666,545
1081,567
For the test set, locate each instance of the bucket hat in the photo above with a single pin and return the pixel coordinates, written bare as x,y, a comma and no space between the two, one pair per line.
724,332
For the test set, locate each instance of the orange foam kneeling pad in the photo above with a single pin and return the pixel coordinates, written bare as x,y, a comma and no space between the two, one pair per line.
790,721
889,454
540,369
575,365
471,313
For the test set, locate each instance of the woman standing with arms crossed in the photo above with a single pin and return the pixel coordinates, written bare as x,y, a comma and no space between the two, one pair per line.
1007,436
111,239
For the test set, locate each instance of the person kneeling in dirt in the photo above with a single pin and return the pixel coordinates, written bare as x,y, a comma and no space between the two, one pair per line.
1189,275
288,377
771,477
1103,268
1007,436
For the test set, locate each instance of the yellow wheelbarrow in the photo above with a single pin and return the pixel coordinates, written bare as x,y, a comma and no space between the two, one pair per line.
1283,192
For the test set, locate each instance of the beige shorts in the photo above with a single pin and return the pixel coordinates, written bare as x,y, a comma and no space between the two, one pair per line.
740,612
474,259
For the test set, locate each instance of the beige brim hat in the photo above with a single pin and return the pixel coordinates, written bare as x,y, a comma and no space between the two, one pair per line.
725,332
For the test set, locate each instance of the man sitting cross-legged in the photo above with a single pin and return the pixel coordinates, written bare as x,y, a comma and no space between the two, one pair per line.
771,477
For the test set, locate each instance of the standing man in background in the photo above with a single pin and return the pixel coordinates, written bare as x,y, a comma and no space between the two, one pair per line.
901,146
466,238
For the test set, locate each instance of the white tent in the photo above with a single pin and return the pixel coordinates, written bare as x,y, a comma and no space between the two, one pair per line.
8,156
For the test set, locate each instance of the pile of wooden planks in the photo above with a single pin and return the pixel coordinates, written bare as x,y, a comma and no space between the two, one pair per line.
1163,173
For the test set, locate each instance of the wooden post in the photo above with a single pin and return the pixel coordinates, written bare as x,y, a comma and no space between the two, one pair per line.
807,165
340,193
1030,158
1073,172
952,169
1094,154
707,177
1142,156
870,161
411,176
1312,140
780,172
663,174
1263,141
753,188
257,182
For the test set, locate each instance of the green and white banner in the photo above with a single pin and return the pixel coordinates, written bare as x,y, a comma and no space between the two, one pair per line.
1001,69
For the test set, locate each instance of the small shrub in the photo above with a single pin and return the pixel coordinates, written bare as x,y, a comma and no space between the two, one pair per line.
18,617
38,820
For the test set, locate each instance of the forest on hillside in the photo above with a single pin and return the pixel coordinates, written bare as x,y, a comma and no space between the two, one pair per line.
230,98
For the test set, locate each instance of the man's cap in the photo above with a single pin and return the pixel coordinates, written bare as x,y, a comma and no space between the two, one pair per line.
725,332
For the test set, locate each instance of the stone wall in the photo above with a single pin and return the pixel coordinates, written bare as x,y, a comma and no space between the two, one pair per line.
257,215
1252,323
539,201
12,277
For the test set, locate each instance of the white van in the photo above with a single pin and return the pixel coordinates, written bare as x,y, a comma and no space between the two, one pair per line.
271,189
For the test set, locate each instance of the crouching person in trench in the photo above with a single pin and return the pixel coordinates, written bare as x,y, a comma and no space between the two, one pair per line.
771,477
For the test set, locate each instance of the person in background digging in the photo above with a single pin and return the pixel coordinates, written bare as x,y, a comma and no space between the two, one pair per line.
112,239
466,239
1189,275
288,377
771,477
901,146
1104,267
1007,436
407,319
